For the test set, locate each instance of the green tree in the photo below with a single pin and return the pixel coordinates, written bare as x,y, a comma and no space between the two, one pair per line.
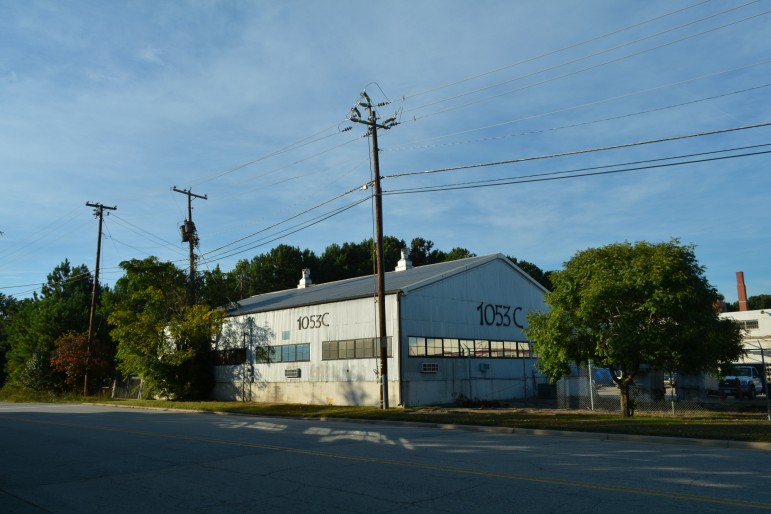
536,273
8,307
757,302
630,306
159,337
62,306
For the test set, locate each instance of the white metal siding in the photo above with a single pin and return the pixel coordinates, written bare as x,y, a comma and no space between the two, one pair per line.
349,381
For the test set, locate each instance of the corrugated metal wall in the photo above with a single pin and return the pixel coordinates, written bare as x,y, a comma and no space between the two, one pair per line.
340,382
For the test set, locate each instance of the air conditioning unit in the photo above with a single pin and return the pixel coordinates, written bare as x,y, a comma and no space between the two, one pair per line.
292,373
429,367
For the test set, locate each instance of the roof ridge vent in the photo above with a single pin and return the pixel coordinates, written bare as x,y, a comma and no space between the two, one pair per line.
305,280
404,263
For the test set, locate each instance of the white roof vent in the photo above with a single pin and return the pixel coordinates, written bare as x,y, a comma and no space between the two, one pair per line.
305,281
404,263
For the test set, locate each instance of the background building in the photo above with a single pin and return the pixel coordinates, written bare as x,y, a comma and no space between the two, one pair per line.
455,331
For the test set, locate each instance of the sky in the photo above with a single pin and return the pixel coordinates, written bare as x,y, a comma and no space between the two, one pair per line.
585,106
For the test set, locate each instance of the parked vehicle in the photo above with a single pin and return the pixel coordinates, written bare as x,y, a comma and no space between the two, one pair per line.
741,382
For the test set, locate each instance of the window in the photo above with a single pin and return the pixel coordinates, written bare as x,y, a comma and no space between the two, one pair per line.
417,346
463,348
365,349
353,349
433,347
452,348
329,350
747,324
481,348
290,353
346,349
230,357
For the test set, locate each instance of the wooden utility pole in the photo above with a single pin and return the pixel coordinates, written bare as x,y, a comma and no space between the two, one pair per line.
98,213
190,235
371,122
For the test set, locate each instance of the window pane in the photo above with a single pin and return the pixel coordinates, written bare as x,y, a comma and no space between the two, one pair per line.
304,352
481,348
288,353
433,346
417,346
451,348
497,349
329,350
466,347
524,349
346,349
275,354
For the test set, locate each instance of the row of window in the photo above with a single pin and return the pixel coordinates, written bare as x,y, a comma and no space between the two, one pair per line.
747,324
477,348
368,348
288,353
330,350
230,357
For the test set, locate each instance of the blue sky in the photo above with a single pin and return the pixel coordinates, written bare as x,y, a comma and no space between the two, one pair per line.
246,102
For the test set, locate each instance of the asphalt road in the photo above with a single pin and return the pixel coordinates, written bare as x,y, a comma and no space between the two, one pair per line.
83,459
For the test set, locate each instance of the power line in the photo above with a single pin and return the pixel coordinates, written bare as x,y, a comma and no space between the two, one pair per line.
578,152
589,104
570,74
285,220
553,52
572,173
432,189
289,231
288,148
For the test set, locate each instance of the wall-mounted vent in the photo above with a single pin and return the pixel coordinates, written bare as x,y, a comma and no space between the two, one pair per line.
429,367
292,373
484,367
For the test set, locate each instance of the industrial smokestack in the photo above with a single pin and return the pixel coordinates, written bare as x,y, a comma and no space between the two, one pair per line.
742,290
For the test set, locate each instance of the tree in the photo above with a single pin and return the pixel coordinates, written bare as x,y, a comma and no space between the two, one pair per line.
160,338
62,307
73,356
8,307
631,306
536,273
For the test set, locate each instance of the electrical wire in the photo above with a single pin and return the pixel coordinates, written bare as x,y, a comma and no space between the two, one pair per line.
285,220
553,52
566,75
289,231
579,152
451,187
299,144
414,145
506,180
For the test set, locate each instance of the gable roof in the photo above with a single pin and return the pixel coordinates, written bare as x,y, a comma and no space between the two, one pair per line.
363,287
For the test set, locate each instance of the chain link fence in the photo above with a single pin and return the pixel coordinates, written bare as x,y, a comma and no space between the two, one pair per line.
653,393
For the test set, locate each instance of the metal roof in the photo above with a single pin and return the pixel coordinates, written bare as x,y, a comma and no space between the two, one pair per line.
362,287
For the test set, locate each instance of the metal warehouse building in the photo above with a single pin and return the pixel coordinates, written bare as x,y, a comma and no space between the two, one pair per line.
455,330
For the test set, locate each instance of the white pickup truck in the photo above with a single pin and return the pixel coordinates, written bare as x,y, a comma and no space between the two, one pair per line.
741,382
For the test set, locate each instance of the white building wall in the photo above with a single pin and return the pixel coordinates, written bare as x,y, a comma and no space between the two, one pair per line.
754,339
335,382
463,307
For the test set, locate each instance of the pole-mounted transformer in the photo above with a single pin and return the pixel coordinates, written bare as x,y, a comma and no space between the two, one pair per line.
190,235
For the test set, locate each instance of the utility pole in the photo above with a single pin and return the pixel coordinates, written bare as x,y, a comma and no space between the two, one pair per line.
98,213
190,235
371,122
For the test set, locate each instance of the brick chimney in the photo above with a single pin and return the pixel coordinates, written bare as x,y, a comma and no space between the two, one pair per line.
742,290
